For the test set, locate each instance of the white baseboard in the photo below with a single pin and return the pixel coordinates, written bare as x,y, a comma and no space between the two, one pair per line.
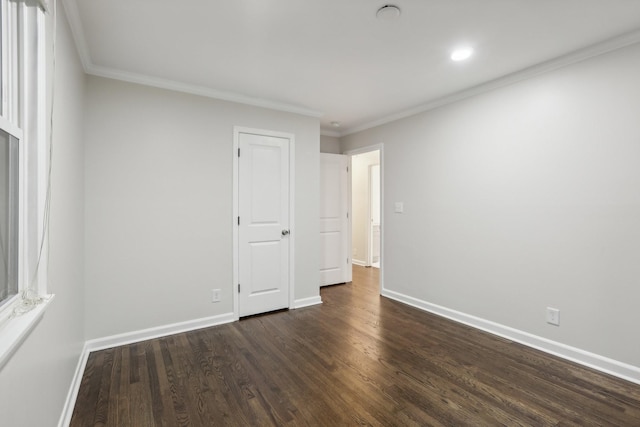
72,394
129,338
603,364
158,331
358,262
306,302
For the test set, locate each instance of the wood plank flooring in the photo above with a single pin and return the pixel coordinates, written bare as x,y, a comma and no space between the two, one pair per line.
357,359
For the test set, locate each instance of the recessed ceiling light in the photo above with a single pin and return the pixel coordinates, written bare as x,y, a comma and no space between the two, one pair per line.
335,124
388,12
461,54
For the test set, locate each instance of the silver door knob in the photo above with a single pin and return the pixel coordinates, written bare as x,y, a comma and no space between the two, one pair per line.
285,232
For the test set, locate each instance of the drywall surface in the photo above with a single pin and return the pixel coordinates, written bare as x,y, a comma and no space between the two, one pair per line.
35,381
524,198
329,144
159,185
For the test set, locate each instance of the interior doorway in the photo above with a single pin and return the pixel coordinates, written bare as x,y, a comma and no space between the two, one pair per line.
366,208
374,216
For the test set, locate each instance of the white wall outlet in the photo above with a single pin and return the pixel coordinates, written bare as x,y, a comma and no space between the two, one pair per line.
553,316
215,295
399,207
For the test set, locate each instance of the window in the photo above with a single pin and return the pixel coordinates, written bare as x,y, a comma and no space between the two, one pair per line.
10,135
8,216
24,158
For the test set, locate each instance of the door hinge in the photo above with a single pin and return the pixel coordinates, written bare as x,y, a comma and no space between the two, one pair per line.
238,152
347,214
347,260
238,287
238,220
347,169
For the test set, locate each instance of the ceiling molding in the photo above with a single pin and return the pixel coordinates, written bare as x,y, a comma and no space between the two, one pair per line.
77,31
73,16
574,57
333,133
177,86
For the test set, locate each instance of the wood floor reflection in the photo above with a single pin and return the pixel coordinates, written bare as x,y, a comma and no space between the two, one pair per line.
356,359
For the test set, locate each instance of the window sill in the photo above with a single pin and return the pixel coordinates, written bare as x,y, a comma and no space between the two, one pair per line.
16,330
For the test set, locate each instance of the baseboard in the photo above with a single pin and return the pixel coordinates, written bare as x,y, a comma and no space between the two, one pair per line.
358,262
603,364
72,394
306,302
157,332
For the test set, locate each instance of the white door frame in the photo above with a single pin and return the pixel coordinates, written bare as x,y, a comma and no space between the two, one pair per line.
237,130
367,149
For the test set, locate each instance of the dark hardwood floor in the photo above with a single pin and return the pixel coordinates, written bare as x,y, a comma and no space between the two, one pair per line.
357,359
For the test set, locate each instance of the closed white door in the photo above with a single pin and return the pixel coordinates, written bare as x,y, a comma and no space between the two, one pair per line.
335,262
263,229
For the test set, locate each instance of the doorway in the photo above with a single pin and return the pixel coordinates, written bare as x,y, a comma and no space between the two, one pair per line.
367,201
374,216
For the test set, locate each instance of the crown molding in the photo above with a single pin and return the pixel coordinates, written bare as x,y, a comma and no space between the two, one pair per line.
574,57
325,132
77,31
177,86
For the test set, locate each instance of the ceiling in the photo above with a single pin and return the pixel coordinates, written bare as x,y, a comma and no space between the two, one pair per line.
333,58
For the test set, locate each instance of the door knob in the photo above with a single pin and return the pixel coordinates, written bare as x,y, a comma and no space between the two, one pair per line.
285,232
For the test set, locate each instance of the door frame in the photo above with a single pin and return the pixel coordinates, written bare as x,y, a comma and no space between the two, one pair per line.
362,150
237,130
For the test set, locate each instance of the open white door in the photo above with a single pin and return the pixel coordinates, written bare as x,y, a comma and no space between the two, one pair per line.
335,235
263,223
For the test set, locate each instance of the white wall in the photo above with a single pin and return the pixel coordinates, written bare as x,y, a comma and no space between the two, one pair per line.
35,381
329,144
159,204
523,198
360,203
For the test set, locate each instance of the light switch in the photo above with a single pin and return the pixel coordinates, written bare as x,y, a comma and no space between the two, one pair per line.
399,207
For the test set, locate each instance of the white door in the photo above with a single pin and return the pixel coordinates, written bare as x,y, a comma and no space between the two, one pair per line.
335,262
263,229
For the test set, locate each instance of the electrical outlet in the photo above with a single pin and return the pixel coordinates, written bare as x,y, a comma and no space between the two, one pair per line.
215,295
553,316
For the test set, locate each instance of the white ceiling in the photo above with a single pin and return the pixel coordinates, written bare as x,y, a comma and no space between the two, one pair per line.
333,58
